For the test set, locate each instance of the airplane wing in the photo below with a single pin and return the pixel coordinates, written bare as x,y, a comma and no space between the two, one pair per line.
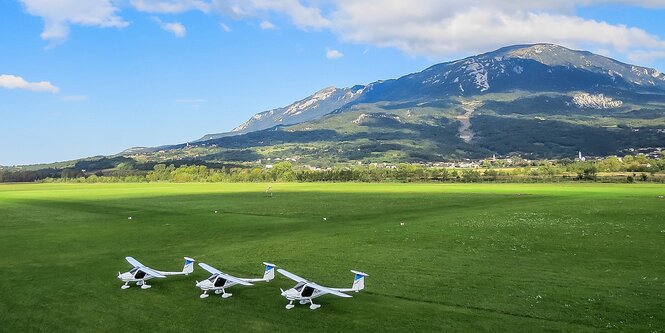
214,270
291,275
209,268
328,290
134,262
152,272
234,279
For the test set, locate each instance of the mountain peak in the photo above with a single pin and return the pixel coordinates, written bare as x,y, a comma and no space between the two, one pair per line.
552,55
557,55
537,48
549,66
314,106
326,90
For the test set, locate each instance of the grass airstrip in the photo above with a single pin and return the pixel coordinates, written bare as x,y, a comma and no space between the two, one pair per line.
500,257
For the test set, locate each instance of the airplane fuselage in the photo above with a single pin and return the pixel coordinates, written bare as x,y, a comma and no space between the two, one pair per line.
215,282
134,275
302,292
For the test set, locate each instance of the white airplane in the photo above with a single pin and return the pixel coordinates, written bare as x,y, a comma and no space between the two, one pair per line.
140,273
219,281
305,291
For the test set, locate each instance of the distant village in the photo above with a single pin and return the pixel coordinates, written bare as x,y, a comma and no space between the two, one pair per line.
494,161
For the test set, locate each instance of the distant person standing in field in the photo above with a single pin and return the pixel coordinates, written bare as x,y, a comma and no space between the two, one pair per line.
269,191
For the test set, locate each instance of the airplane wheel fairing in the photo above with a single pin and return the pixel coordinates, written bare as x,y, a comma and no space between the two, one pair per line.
290,306
204,296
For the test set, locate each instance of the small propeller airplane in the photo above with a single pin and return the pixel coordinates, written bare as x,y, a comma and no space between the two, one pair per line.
219,281
140,273
305,291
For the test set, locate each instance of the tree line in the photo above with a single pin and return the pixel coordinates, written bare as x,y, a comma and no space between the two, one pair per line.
611,169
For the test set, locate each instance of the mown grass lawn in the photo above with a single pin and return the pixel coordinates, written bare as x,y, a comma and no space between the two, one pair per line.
501,257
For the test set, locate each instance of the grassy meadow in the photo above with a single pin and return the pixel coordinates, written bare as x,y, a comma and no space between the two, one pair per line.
469,257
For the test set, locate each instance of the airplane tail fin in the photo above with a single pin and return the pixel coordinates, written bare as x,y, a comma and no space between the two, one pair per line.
189,265
269,272
358,281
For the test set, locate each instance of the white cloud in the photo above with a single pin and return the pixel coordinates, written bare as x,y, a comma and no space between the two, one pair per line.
225,27
267,25
432,28
9,81
302,16
176,28
448,28
59,15
334,54
444,28
170,6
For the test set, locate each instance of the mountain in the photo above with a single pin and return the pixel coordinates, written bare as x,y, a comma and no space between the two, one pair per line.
540,67
319,104
538,101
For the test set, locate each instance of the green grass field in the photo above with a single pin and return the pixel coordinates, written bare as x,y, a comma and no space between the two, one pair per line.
498,257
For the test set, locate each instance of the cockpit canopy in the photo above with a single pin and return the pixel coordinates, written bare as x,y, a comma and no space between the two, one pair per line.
299,286
137,273
217,281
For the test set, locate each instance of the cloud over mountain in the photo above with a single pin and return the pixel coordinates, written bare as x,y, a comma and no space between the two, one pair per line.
433,28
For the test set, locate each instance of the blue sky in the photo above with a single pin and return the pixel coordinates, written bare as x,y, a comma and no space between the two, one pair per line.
82,80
